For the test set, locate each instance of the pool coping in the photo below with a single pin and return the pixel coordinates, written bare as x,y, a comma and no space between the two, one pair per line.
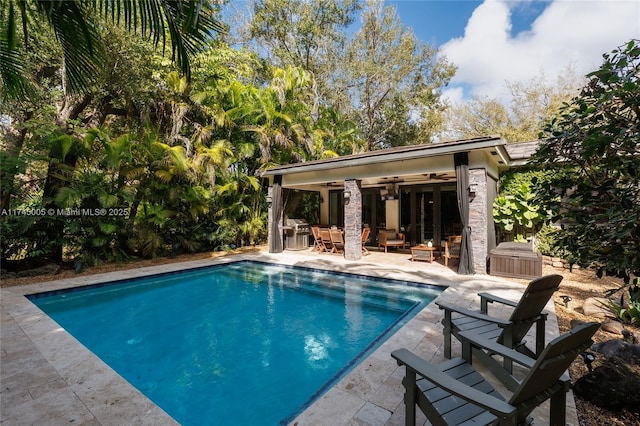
48,376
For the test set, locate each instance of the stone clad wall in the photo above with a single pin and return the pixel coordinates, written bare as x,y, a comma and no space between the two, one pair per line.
478,219
353,221
269,218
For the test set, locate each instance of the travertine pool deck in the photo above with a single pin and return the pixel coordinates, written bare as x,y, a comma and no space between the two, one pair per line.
48,378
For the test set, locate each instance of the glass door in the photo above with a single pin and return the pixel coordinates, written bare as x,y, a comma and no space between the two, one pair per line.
429,213
373,212
336,208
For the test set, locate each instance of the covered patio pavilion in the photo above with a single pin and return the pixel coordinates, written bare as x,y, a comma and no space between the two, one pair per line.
414,184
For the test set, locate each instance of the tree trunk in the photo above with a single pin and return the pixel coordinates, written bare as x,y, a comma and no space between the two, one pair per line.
58,172
57,175
13,140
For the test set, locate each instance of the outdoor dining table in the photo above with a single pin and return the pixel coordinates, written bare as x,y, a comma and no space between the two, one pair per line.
424,252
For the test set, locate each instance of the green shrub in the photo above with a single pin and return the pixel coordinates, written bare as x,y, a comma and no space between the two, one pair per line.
547,242
627,312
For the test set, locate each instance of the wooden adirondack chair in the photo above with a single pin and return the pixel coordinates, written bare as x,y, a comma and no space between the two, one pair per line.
510,332
454,393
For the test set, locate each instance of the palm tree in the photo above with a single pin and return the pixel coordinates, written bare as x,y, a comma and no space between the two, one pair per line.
188,23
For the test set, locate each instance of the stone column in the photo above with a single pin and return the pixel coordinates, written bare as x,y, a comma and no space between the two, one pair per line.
353,220
479,219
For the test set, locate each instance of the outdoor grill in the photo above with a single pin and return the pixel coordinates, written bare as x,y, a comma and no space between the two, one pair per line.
297,234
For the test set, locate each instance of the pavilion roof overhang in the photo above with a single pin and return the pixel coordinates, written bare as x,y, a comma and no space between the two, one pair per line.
406,164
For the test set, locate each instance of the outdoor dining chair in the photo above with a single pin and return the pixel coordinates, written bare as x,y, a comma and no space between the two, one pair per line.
319,245
337,241
365,237
326,239
454,393
509,332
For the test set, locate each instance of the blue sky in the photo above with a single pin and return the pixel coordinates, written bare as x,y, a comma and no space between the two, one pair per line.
438,21
435,22
495,41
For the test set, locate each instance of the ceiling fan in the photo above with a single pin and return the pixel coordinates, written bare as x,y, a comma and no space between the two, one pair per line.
427,177
390,181
390,191
438,176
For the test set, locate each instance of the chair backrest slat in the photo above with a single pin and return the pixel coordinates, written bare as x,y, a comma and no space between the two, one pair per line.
336,236
532,303
365,234
553,362
454,242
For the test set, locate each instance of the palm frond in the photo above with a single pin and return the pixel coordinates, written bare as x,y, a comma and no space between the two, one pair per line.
75,30
189,23
14,82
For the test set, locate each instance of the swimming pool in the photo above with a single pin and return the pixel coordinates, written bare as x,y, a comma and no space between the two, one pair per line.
241,343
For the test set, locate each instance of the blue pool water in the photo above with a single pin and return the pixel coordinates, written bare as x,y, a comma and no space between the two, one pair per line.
245,343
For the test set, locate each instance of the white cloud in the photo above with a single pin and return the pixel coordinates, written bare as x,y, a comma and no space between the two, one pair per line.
567,32
453,95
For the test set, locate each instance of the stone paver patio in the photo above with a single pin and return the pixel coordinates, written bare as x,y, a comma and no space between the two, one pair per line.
47,377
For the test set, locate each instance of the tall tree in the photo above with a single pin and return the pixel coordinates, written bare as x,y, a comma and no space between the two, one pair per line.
393,79
304,33
534,102
189,24
593,146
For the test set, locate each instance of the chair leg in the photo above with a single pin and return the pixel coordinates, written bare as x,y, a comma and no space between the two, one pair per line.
446,333
410,397
558,408
540,338
507,340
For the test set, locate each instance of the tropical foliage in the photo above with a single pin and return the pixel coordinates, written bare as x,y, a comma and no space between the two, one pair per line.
110,150
593,147
186,23
517,215
146,163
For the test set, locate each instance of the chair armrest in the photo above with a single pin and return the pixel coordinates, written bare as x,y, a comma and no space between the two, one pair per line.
402,237
493,346
432,373
473,314
491,298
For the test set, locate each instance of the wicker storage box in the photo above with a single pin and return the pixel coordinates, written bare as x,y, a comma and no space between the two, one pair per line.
515,260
